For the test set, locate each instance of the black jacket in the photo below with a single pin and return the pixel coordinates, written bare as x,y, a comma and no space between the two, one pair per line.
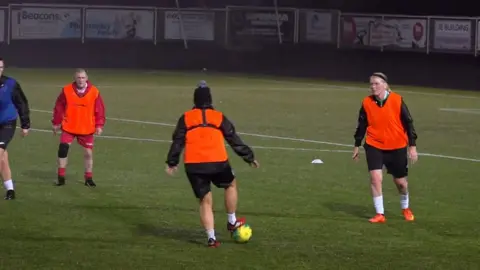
407,122
228,130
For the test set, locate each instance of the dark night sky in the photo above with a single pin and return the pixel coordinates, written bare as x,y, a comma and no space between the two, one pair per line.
407,7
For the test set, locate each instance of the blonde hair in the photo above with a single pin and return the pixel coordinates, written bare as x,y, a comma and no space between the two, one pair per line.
80,71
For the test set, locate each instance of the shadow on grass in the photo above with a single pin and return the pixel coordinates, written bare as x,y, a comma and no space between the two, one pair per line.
350,209
175,233
131,215
40,174
50,177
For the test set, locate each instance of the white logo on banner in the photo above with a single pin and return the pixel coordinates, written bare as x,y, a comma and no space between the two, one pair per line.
319,26
401,33
119,24
2,28
453,35
198,25
266,19
45,23
394,33
260,23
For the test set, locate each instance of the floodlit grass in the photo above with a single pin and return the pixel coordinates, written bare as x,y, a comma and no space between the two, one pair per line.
304,216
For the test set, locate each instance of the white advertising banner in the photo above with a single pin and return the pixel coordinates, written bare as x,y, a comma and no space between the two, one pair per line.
133,24
390,32
198,25
45,23
452,35
399,33
261,24
319,26
2,25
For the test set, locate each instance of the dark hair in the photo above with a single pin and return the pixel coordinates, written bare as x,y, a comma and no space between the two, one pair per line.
380,75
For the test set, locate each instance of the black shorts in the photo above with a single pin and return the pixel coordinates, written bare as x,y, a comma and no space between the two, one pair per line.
7,130
396,161
201,182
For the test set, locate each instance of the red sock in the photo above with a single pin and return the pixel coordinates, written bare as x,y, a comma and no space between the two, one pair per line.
88,175
61,171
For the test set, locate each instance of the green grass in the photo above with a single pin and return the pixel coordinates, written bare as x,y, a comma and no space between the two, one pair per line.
303,216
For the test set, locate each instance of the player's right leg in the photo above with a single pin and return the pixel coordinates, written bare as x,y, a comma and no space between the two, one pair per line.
231,201
375,166
66,140
226,180
201,188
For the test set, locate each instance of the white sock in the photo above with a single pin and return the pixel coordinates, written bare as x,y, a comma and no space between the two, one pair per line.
211,234
404,201
378,203
231,218
8,184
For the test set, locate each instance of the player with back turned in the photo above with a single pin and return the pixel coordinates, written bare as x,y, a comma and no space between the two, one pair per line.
390,141
202,131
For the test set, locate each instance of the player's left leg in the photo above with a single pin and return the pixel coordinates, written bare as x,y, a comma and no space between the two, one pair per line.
7,177
87,143
398,168
7,131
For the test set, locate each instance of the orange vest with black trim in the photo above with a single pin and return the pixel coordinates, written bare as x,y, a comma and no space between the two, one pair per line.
80,111
385,130
204,142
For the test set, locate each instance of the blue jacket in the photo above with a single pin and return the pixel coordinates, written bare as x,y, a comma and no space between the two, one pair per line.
13,102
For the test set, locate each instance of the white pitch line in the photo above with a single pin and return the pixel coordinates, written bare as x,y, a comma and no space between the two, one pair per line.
241,133
189,87
470,111
287,86
273,137
168,141
343,87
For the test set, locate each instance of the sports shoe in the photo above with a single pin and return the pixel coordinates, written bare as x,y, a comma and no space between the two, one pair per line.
240,221
60,181
89,183
10,195
212,243
378,218
408,214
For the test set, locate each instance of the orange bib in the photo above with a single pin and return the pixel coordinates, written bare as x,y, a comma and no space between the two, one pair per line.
385,129
204,140
80,111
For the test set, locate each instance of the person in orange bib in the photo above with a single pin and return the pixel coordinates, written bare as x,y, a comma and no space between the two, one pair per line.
202,131
79,113
390,141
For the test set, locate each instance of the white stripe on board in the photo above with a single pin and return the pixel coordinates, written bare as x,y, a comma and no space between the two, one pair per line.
270,137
